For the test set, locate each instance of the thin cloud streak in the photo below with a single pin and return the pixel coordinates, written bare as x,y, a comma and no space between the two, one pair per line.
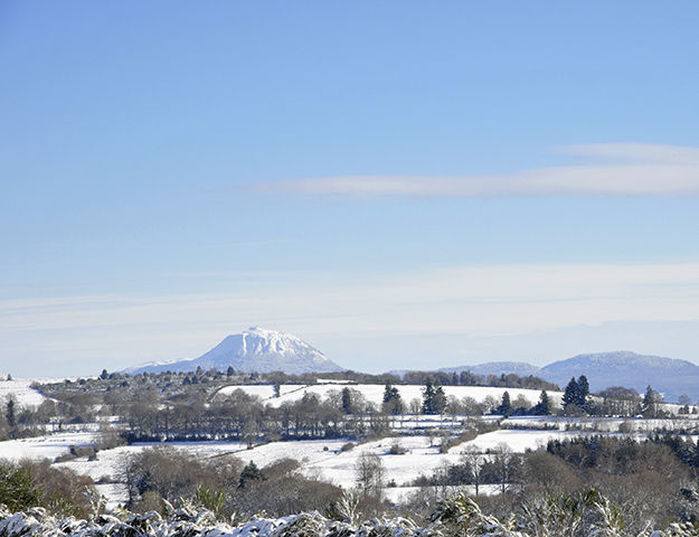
635,152
626,170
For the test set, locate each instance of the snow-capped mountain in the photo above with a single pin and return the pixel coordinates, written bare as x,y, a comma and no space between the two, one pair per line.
255,349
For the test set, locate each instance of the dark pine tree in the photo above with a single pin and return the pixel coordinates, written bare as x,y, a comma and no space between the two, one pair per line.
583,391
440,400
571,395
650,402
387,393
428,406
543,407
10,412
505,407
392,402
346,401
250,473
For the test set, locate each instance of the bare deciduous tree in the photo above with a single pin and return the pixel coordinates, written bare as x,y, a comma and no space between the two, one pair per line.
369,475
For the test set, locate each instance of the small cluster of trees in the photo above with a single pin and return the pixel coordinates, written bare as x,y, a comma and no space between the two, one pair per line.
223,484
392,401
616,401
434,401
521,407
576,396
21,422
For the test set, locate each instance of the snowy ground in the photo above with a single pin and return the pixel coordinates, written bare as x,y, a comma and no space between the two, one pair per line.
374,392
587,423
21,391
421,458
319,458
399,495
44,447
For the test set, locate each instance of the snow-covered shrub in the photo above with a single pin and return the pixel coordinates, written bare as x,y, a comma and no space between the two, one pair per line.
586,515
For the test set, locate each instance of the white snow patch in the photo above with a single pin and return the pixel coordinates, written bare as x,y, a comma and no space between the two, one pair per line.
44,447
21,391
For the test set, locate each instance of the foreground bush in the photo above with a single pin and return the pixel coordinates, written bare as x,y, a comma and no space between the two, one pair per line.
588,515
30,483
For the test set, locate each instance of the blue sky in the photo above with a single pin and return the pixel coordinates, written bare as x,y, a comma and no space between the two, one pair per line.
171,173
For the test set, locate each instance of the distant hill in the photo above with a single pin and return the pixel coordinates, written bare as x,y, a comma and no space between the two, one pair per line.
255,349
670,377
522,369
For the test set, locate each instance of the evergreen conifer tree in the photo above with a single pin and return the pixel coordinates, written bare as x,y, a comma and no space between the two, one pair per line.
440,400
543,407
583,391
505,407
428,398
250,473
571,395
10,412
392,402
346,401
649,406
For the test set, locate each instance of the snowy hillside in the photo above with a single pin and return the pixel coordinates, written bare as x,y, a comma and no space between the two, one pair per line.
21,391
255,349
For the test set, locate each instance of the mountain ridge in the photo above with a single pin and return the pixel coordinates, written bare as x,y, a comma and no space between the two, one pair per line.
671,377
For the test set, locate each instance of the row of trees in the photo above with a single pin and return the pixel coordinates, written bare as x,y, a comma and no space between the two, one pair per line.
521,406
468,378
241,416
435,401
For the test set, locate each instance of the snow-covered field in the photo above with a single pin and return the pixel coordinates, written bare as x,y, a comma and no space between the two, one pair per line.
322,459
421,458
21,391
44,447
374,392
399,495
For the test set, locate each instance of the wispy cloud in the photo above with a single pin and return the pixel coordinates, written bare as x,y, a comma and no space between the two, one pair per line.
618,169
